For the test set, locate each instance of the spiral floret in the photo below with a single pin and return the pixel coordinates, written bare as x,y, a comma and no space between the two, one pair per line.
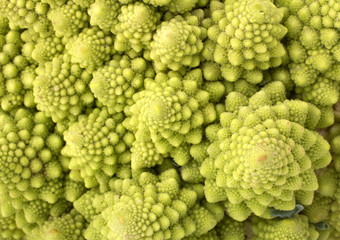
47,48
4,28
226,229
91,48
98,146
136,25
30,153
54,3
84,3
180,6
88,211
171,111
324,92
176,44
157,3
9,229
319,210
229,229
117,81
313,33
24,13
66,227
265,154
160,209
104,13
68,19
334,214
295,228
61,89
248,39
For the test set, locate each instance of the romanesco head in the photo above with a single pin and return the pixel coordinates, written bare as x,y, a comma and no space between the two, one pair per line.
136,25
116,82
61,89
171,112
160,209
98,146
104,13
286,229
247,37
313,33
68,19
268,154
91,48
67,226
177,43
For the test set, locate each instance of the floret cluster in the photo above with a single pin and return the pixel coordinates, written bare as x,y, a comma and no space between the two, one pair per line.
169,119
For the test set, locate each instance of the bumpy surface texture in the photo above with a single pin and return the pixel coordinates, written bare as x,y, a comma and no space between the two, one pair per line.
264,154
169,119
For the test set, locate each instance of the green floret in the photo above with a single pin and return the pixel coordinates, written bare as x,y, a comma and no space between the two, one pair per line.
27,14
4,28
15,87
157,3
244,87
334,139
89,211
98,146
335,145
226,229
327,116
69,82
29,156
98,228
91,48
313,33
295,228
328,181
84,3
54,3
264,155
172,211
335,210
47,48
36,211
136,25
9,229
117,81
319,210
104,13
336,108
229,229
144,154
247,35
333,178
170,112
177,43
68,19
180,6
190,171
280,74
69,226
73,189
174,6
169,119
211,235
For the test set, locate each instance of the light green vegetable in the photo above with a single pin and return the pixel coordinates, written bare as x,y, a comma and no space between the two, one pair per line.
169,119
